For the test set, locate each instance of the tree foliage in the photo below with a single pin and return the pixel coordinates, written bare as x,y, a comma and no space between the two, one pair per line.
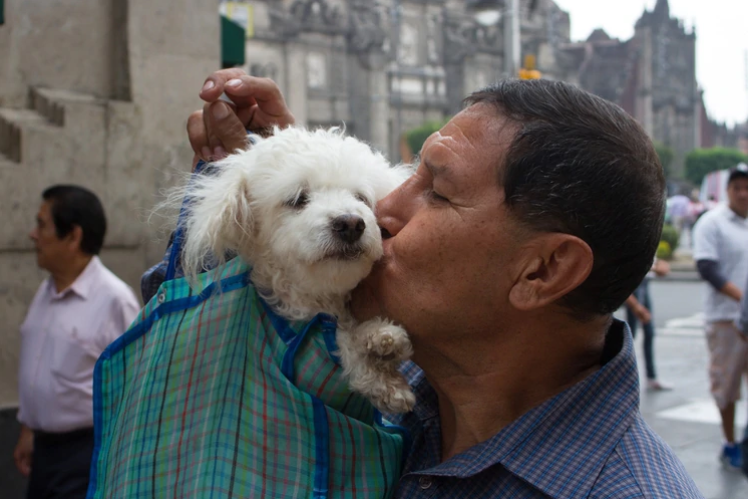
666,155
417,136
700,162
671,236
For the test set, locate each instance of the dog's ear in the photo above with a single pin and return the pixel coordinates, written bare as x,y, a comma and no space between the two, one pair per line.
219,217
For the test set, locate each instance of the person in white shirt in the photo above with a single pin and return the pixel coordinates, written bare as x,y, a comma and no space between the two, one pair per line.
721,254
77,312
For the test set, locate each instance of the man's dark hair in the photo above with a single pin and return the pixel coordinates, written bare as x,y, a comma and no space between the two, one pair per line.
72,205
740,171
581,165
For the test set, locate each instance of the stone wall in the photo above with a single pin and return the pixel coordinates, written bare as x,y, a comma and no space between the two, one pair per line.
97,93
38,39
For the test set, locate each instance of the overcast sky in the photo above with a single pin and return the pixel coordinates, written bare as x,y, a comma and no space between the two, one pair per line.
721,43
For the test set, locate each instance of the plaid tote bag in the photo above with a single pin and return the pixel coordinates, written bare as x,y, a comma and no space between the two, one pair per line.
210,394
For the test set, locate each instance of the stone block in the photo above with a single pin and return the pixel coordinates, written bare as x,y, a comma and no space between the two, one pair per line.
59,43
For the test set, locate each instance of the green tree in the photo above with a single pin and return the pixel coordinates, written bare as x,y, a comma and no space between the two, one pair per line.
700,162
417,136
666,155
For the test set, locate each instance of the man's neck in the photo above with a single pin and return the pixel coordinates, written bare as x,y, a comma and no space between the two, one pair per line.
477,401
65,276
740,213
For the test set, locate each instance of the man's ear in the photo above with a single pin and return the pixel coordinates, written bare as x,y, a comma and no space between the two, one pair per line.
74,238
556,265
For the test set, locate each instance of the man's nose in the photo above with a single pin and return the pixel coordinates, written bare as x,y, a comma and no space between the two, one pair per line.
348,228
394,211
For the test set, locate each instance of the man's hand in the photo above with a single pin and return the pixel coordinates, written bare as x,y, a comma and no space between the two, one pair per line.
24,451
643,314
732,291
661,268
220,128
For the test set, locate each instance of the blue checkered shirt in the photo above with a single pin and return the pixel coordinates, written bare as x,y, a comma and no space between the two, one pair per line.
589,441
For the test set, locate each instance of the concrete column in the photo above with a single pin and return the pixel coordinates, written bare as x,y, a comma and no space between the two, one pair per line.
380,109
512,43
296,81
644,92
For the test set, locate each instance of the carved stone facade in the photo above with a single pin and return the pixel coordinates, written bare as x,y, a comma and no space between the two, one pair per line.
383,67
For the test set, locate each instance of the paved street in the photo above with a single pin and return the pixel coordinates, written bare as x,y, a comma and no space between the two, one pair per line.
686,418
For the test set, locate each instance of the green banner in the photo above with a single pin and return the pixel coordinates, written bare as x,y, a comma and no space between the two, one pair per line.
233,43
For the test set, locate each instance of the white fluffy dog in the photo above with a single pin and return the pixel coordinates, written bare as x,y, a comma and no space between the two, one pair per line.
299,207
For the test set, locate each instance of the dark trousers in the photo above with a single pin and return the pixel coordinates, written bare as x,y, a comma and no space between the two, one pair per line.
60,465
642,295
744,450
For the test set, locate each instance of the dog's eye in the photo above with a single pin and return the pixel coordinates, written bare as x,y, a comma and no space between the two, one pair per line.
298,201
363,199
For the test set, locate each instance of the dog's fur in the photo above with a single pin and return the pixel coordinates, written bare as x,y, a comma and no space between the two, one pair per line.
278,205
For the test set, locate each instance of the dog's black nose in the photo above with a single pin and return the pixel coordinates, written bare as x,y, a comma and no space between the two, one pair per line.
349,228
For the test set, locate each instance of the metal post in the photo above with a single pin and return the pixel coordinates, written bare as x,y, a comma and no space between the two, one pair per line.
511,38
395,47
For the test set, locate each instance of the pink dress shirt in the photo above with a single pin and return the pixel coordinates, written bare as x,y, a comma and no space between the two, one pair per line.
61,339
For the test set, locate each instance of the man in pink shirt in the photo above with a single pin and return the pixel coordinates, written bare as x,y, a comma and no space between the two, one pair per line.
77,312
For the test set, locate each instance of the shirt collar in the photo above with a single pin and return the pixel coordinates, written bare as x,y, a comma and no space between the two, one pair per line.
82,284
731,215
561,446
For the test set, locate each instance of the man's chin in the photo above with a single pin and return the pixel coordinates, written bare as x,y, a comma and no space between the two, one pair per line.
364,303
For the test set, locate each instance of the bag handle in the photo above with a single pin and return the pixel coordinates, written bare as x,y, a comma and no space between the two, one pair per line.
176,243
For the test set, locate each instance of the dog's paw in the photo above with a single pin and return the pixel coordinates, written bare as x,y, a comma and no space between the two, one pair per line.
389,341
396,399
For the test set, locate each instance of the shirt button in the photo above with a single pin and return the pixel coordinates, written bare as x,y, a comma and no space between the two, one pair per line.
425,482
161,297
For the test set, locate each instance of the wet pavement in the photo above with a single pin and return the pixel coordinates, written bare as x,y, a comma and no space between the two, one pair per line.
686,418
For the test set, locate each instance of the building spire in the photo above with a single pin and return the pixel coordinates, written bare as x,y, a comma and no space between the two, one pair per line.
662,9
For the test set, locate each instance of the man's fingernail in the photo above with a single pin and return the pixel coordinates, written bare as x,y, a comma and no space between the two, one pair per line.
234,83
219,153
220,110
205,152
208,85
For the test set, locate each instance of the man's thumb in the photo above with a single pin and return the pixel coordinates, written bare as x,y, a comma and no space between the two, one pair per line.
226,127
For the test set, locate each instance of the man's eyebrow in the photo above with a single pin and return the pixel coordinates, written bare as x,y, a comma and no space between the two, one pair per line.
437,170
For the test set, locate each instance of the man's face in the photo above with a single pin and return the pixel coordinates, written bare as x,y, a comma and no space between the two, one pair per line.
50,249
737,194
446,270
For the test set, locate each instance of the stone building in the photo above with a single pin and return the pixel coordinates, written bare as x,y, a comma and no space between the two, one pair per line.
92,92
384,67
653,77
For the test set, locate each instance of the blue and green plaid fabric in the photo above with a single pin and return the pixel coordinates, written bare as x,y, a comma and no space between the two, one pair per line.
211,395
588,441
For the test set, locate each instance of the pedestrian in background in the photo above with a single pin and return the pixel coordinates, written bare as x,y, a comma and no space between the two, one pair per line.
678,210
639,310
742,325
77,311
721,254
